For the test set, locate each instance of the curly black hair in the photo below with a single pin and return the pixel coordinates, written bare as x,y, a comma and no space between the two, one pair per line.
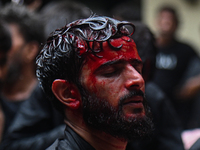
63,54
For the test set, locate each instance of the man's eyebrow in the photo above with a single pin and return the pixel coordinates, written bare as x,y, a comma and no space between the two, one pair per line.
115,62
110,63
137,61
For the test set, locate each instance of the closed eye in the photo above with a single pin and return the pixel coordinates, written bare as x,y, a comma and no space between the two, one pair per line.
111,72
138,66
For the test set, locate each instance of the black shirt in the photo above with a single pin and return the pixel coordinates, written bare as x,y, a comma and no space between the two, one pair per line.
36,125
10,108
70,141
171,63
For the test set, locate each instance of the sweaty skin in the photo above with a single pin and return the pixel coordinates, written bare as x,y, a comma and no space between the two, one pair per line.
114,74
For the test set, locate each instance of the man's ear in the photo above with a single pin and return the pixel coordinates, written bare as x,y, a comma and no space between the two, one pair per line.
66,93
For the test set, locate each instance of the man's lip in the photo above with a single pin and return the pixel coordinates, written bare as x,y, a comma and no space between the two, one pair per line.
134,99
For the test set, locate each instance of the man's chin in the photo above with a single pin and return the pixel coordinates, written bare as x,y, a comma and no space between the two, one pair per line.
134,112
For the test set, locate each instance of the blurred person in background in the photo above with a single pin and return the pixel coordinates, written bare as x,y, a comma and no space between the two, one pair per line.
167,134
5,45
19,80
190,94
37,123
33,5
57,13
172,61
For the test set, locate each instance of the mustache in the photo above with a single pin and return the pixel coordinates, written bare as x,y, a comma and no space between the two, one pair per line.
131,94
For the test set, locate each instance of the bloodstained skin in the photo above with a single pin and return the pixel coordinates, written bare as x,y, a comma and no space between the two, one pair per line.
127,52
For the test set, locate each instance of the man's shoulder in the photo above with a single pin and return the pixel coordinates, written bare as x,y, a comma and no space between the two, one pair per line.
70,141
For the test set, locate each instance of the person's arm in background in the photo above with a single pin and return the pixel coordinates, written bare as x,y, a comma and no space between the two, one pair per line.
190,83
190,88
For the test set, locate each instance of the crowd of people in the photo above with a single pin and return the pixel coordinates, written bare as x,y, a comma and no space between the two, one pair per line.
72,79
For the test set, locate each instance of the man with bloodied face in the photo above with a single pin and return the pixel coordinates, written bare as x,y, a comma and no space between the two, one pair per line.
91,71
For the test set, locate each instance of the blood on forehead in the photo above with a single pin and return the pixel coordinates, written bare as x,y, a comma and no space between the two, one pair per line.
127,51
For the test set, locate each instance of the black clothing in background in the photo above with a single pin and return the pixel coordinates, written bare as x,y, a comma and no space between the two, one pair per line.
190,108
9,109
167,135
171,63
36,126
196,145
70,141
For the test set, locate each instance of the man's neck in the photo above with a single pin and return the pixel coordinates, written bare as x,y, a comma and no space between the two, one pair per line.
98,139
164,40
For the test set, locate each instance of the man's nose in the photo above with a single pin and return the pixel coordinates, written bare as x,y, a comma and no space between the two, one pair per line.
134,80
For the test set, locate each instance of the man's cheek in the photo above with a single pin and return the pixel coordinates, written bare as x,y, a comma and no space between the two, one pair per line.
105,89
96,86
99,87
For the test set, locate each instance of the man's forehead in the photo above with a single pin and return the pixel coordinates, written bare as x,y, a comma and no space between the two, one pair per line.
123,48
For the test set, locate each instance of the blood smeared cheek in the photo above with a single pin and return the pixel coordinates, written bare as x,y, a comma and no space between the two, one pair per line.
90,81
87,78
106,88
98,85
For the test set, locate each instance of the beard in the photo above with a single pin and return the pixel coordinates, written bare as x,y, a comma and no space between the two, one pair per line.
99,114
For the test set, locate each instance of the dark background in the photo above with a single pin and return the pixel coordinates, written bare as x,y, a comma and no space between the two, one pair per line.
127,9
